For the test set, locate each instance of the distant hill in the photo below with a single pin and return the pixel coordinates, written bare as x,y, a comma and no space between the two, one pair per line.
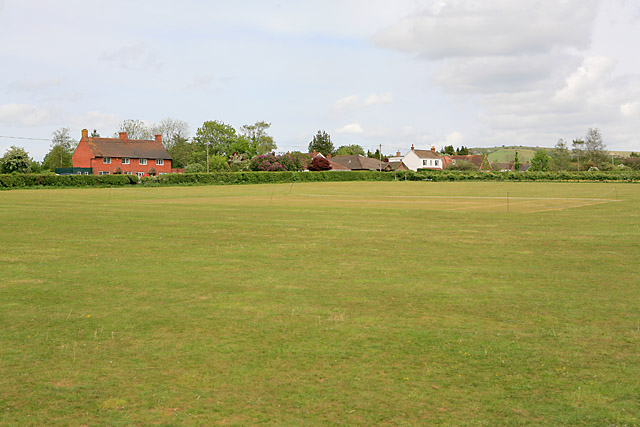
525,154
508,154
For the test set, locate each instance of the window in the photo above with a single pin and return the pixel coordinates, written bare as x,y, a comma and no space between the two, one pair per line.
125,160
140,174
159,162
143,161
103,173
86,173
106,160
79,172
128,173
424,163
436,162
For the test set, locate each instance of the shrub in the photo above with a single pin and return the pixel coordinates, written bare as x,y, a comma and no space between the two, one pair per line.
266,163
319,163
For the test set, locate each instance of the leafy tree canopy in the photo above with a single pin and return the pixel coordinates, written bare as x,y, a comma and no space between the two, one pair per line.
221,138
319,163
321,143
260,141
15,160
61,152
448,150
540,161
346,150
594,146
135,129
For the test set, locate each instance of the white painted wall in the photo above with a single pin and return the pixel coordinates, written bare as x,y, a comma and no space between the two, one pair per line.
414,162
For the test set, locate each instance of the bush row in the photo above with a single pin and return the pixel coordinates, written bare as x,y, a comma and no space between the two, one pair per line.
222,178
276,177
614,176
34,180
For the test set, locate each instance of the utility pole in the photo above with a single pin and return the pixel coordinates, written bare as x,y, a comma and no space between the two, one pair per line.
380,153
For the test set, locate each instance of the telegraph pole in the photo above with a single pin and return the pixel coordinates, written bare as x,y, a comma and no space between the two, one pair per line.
380,153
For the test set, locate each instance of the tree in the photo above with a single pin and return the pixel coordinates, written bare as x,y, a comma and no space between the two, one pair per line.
15,160
540,161
375,155
218,136
350,150
594,146
180,150
172,131
95,134
62,148
448,150
516,163
135,129
561,155
462,151
260,141
321,143
319,163
578,150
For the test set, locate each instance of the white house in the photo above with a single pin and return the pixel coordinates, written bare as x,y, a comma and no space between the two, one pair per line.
423,159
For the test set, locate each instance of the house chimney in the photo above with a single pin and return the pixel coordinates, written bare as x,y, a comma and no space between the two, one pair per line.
85,133
412,147
123,136
158,138
314,153
398,154
433,148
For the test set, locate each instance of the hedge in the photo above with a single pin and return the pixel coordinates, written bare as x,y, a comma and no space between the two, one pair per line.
222,178
34,180
229,178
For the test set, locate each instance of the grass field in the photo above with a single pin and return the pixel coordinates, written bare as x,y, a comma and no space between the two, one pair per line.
397,303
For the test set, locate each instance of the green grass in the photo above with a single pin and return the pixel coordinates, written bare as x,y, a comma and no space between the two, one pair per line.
396,303
506,155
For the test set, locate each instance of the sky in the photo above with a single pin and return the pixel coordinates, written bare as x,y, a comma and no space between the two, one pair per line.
477,73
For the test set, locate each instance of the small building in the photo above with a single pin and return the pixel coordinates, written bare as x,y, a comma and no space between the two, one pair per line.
107,156
423,159
357,162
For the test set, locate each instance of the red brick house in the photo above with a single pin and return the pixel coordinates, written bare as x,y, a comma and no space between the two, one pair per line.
122,155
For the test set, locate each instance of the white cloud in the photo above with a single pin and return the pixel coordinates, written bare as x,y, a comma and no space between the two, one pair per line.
351,128
353,102
454,138
491,28
375,99
23,115
135,57
630,109
586,78
35,85
96,120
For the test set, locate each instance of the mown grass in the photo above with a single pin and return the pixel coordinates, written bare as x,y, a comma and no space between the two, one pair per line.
399,303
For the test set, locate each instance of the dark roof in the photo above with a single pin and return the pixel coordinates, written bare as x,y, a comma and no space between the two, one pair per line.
427,154
476,159
131,148
398,166
357,162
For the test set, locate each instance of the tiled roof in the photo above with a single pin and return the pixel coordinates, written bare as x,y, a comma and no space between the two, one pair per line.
427,154
358,162
131,148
